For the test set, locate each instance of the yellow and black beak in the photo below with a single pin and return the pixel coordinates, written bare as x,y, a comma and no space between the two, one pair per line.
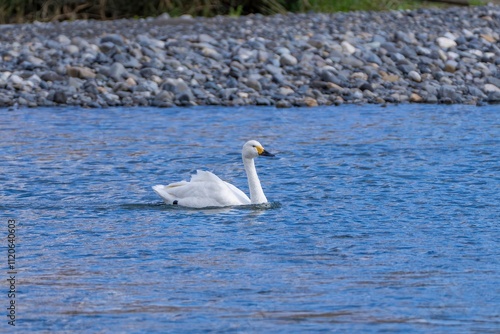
263,152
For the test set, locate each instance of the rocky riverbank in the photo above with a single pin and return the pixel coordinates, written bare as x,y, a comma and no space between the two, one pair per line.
422,56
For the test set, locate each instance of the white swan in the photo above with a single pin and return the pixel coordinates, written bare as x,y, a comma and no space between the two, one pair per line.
207,190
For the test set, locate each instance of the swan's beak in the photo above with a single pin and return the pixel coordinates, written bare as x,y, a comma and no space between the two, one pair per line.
264,153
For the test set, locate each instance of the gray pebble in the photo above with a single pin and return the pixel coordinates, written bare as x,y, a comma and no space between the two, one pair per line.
288,60
415,76
114,39
352,61
449,94
474,91
211,53
494,97
262,101
180,89
283,104
254,84
147,86
117,71
59,97
450,66
164,99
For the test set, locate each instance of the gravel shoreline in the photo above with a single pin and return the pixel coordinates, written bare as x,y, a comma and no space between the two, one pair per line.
422,56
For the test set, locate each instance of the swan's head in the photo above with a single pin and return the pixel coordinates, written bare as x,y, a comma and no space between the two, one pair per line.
252,149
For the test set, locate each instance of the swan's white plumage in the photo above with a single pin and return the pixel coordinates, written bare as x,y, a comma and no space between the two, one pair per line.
206,189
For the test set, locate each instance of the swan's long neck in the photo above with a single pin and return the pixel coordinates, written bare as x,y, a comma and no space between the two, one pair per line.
256,193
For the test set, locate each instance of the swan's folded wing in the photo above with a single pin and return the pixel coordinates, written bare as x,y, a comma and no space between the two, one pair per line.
223,192
204,176
242,197
204,189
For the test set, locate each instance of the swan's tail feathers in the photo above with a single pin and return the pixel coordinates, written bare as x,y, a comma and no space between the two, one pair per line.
173,185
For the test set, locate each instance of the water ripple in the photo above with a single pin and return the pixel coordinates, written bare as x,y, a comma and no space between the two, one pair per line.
381,219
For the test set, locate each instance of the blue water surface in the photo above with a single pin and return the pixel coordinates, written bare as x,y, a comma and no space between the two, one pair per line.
381,220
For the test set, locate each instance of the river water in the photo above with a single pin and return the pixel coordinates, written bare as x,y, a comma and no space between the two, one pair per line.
381,220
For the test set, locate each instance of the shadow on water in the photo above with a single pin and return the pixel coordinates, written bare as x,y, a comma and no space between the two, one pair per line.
161,206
